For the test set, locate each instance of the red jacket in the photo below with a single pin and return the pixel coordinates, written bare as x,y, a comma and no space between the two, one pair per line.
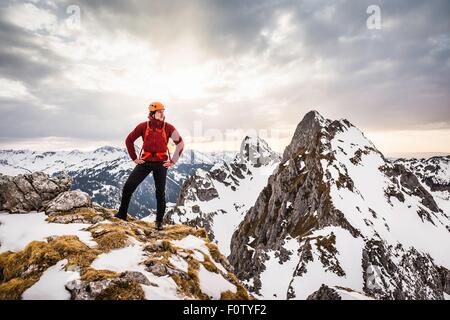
139,131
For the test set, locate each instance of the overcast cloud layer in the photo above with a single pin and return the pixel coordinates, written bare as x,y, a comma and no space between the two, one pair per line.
222,66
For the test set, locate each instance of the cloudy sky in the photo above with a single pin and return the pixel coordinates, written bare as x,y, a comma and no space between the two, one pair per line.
80,74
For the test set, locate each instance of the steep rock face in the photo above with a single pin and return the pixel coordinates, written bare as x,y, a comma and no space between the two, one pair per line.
219,198
30,192
332,201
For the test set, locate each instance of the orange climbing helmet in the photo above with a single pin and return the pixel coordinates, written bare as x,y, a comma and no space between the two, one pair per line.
155,106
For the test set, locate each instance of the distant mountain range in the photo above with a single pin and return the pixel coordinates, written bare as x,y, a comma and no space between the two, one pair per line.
102,173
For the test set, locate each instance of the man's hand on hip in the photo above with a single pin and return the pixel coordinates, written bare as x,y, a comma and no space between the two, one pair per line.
168,164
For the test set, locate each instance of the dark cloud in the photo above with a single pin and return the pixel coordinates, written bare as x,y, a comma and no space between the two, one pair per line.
388,78
23,59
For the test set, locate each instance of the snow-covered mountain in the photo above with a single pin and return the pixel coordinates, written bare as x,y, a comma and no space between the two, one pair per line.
71,248
337,213
102,172
14,162
218,199
434,173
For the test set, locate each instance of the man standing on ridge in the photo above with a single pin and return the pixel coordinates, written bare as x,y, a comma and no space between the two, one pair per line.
154,157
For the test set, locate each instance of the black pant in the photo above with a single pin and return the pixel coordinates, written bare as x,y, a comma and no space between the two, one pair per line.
139,173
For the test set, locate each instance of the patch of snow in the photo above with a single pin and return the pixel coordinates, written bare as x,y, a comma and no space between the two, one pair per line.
276,277
18,230
166,289
191,242
120,260
302,165
179,263
130,259
349,257
351,295
149,218
213,284
51,285
199,248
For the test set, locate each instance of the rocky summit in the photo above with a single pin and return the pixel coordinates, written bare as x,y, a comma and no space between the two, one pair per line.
56,243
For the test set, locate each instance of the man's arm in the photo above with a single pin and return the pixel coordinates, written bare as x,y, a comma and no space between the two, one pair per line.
176,138
131,138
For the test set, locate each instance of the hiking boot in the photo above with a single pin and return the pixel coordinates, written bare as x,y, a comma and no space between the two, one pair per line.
159,225
124,218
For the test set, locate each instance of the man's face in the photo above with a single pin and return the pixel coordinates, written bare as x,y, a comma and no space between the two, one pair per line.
159,115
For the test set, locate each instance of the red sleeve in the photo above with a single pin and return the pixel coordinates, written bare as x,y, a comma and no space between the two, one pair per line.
139,131
169,130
